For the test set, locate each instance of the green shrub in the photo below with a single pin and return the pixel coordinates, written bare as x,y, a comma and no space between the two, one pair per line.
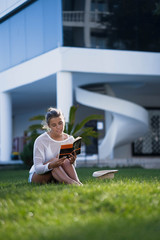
27,154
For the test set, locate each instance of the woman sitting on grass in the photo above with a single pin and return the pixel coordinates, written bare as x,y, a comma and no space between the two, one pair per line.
47,166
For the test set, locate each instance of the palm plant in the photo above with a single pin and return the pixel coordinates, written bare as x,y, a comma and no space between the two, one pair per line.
79,129
71,128
35,130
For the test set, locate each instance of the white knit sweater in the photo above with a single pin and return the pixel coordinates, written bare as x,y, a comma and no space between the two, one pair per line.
46,148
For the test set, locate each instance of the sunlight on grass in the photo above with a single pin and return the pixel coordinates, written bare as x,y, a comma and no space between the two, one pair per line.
126,207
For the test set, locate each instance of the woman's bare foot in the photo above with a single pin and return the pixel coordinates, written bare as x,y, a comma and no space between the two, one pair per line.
81,184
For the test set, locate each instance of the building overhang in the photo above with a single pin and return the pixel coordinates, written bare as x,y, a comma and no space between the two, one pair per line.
81,60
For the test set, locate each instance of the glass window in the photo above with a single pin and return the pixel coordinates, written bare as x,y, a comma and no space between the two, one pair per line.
112,24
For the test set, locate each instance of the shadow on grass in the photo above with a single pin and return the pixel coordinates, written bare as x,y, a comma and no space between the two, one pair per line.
100,229
119,229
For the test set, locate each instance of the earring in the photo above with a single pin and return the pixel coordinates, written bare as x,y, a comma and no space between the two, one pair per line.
48,129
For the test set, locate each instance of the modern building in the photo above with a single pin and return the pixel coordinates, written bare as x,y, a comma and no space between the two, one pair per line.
102,55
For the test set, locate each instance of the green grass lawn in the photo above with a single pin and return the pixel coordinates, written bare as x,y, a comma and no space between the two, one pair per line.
124,208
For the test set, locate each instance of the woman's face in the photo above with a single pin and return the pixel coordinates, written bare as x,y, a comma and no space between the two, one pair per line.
56,125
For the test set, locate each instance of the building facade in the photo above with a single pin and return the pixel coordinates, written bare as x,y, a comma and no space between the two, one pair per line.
102,55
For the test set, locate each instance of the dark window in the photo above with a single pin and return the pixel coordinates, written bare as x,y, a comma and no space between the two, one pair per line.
112,24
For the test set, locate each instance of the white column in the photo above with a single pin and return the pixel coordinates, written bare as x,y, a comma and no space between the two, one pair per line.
87,37
5,127
108,121
108,115
64,93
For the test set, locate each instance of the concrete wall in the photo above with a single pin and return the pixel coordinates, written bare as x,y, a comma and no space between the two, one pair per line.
33,31
21,121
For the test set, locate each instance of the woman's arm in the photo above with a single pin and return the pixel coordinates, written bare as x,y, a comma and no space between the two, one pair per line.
39,157
55,162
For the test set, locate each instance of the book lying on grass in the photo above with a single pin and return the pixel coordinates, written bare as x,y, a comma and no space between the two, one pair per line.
67,149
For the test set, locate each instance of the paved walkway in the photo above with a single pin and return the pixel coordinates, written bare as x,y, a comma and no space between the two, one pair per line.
93,161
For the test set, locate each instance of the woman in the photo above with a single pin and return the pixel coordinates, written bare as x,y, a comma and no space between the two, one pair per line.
47,166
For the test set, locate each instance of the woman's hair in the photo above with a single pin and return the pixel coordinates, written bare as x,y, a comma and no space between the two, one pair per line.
51,113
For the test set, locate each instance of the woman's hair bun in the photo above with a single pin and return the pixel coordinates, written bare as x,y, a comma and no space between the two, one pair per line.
51,109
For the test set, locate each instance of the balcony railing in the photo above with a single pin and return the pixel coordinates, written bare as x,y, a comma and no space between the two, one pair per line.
73,16
79,16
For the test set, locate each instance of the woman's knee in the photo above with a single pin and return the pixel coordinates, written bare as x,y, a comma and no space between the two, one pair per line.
66,163
55,170
61,175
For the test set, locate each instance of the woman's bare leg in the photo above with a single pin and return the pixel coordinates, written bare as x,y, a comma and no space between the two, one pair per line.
61,176
42,178
70,170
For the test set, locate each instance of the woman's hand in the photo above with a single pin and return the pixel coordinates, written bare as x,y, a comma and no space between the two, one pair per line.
72,157
56,162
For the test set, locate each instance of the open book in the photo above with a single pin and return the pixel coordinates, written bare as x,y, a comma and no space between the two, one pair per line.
67,149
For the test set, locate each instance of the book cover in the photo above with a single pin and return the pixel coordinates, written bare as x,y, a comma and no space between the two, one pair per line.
67,149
